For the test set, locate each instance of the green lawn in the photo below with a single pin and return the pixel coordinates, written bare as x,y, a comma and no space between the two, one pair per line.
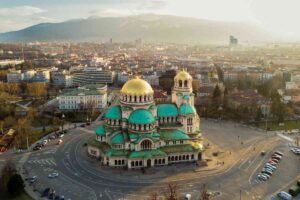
272,126
79,116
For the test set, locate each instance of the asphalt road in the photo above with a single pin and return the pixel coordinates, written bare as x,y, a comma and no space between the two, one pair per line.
83,178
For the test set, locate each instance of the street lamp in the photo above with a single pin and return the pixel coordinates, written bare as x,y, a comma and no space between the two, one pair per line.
63,121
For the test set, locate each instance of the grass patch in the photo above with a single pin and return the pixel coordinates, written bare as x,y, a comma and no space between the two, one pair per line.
273,126
79,116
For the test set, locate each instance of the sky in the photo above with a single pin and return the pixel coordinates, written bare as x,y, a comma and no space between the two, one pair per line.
277,16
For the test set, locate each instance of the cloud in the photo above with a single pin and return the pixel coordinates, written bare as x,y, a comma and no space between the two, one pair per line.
20,11
110,13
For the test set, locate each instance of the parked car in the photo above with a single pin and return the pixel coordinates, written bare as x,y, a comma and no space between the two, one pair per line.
32,179
45,192
284,195
188,197
53,175
59,142
267,172
61,135
36,148
278,153
82,125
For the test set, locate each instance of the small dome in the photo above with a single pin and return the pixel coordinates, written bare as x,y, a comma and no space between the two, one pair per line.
100,130
114,112
117,139
186,109
183,75
167,110
137,87
141,116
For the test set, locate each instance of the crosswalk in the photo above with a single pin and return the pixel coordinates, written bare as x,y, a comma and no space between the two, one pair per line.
43,162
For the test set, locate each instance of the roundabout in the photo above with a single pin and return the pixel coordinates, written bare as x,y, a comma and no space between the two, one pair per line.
81,176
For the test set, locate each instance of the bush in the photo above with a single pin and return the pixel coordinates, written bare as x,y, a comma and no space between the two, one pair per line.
15,185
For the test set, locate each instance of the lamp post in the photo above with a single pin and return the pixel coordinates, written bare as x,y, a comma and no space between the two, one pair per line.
63,121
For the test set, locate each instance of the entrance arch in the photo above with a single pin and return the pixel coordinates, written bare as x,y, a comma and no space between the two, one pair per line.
149,163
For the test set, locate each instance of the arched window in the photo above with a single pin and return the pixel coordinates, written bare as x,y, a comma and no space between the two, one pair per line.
180,83
129,98
116,162
136,163
141,163
185,83
119,162
192,157
145,98
140,98
132,163
146,144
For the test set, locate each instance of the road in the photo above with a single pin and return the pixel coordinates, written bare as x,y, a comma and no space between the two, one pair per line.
82,177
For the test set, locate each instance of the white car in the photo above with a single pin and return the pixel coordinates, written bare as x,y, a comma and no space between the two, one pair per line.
61,136
45,142
53,175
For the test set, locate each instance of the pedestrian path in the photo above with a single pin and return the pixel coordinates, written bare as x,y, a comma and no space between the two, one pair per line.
86,130
44,162
285,137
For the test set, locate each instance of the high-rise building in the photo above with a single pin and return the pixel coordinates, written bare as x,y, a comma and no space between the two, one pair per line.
233,41
92,75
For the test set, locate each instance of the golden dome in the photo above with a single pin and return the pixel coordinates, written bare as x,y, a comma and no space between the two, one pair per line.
137,87
183,75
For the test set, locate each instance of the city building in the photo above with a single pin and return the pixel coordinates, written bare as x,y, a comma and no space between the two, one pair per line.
61,79
85,97
14,76
10,62
93,75
138,133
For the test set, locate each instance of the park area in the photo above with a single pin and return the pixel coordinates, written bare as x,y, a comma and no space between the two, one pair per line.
274,126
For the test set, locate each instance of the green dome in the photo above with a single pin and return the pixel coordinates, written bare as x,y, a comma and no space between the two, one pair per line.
117,139
186,109
100,130
141,116
167,110
114,112
186,97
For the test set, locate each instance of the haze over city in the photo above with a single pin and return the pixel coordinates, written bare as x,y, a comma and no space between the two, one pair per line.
279,17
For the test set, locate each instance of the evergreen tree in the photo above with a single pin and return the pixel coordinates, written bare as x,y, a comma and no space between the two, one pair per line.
15,185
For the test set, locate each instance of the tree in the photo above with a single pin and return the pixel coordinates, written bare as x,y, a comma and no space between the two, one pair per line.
154,196
7,172
259,114
23,127
1,126
171,192
225,98
15,185
13,88
204,195
216,96
37,90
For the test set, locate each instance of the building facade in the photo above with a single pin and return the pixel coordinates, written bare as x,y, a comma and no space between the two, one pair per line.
86,97
138,133
93,76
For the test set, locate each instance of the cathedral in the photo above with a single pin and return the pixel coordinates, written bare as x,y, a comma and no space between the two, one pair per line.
137,133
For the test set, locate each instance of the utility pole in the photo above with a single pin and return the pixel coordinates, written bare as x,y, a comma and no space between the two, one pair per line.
240,194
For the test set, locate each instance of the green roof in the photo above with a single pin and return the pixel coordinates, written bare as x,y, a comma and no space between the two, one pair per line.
91,89
146,154
114,112
179,148
133,136
117,139
186,109
167,110
186,97
173,134
100,130
141,116
117,152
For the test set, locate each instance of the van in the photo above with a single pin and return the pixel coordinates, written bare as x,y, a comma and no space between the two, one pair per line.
284,195
188,197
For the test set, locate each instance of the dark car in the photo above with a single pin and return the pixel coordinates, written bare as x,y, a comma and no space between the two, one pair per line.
36,148
45,192
82,125
267,172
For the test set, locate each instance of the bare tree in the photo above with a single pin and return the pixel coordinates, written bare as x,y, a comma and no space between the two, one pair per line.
154,196
296,140
204,195
171,192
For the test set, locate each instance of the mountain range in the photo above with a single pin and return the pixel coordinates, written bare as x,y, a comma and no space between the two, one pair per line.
148,27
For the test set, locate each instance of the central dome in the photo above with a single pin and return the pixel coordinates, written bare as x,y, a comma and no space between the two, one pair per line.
137,87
